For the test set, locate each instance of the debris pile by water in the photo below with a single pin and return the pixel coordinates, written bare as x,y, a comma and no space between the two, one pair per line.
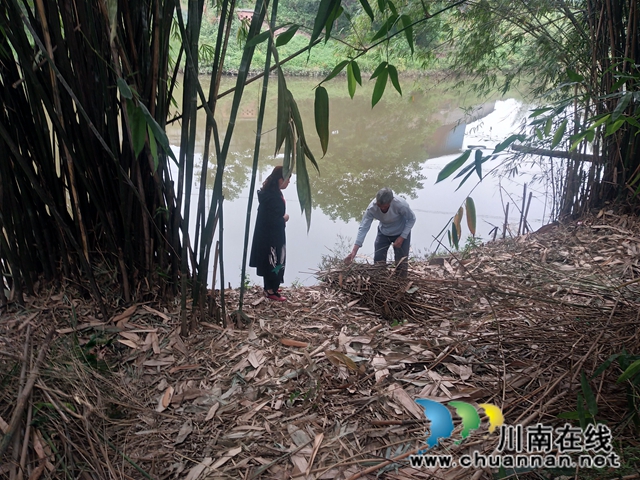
324,386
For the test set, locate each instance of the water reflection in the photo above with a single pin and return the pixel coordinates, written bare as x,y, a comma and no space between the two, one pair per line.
368,147
402,143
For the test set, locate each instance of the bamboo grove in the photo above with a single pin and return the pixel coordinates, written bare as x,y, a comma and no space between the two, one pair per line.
92,192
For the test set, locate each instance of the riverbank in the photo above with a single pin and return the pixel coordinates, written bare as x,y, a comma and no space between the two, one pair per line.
324,386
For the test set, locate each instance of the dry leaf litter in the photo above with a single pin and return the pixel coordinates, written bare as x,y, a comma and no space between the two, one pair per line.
323,386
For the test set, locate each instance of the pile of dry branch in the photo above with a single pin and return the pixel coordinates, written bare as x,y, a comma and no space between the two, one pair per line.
324,385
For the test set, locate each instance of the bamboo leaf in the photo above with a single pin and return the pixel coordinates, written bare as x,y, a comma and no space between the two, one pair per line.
557,137
378,89
547,126
385,28
615,126
356,71
160,134
393,74
367,8
605,365
138,126
580,411
285,37
297,120
592,405
124,89
471,215
288,148
112,8
573,76
153,146
380,68
478,163
622,105
259,38
324,10
382,4
338,358
457,221
631,371
336,70
351,81
321,110
408,30
454,235
335,14
452,166
284,111
302,183
505,144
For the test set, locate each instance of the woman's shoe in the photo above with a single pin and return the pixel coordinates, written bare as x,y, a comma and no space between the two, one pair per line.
275,296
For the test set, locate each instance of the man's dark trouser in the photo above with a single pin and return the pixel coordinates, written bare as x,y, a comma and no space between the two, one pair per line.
382,244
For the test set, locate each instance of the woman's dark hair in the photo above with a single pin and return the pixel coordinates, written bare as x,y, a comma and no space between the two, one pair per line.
271,183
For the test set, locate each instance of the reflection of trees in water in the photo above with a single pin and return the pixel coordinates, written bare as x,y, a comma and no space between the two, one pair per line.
369,148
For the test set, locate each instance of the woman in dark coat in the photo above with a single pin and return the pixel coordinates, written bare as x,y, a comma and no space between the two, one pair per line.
268,250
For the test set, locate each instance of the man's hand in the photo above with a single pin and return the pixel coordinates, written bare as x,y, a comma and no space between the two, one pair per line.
352,255
286,217
398,242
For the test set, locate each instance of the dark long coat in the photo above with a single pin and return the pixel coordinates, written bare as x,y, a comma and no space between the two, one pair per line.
268,247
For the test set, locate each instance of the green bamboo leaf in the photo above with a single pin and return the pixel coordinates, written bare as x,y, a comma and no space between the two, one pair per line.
574,77
592,405
138,126
284,111
336,70
378,89
288,148
385,28
112,9
408,30
557,137
321,110
453,166
124,89
393,75
153,146
379,69
449,237
577,139
605,365
160,134
367,8
382,4
478,163
351,80
285,37
539,134
505,144
356,71
539,111
580,410
297,120
392,7
302,184
600,121
622,105
471,215
335,14
631,371
547,126
324,10
615,126
258,39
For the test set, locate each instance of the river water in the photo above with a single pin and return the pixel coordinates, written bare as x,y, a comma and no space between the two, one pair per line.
402,143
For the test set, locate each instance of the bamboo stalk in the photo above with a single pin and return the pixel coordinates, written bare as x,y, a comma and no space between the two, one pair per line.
25,393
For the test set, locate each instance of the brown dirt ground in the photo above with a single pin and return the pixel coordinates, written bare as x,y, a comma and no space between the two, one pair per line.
324,386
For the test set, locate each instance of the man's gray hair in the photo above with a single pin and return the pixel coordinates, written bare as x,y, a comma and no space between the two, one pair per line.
384,196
